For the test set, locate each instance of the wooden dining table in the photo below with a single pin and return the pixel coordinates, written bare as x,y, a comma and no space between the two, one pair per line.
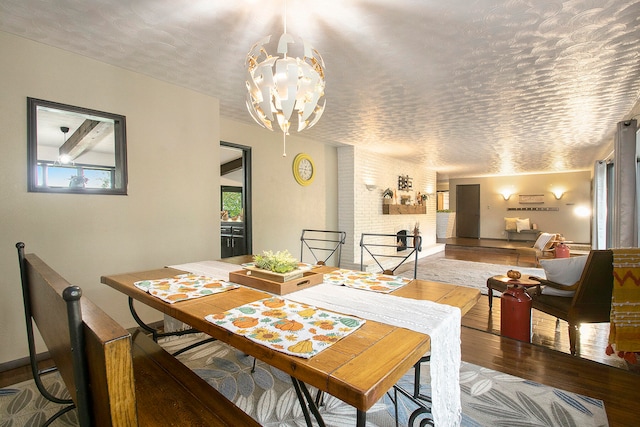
359,369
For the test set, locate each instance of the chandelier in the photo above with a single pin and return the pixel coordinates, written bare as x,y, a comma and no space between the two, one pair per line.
285,83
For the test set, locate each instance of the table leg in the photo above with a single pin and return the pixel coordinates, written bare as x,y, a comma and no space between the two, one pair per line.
361,418
423,402
490,295
307,403
416,379
155,334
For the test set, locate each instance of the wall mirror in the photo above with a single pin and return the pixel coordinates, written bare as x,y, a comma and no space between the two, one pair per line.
75,150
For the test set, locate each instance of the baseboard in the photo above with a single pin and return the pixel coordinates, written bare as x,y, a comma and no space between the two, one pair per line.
22,362
431,250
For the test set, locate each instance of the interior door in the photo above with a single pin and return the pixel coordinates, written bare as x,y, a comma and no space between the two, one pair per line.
235,200
468,211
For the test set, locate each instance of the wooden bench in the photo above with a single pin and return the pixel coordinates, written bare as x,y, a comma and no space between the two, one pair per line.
119,378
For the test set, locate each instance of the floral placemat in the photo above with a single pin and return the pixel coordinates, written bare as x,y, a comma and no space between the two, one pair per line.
183,287
375,282
287,326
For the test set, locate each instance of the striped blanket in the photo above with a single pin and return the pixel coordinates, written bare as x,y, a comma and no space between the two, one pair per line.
624,334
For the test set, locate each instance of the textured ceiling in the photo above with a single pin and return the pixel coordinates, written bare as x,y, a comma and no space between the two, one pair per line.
465,87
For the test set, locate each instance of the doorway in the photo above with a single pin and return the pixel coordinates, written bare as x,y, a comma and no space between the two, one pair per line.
235,200
468,211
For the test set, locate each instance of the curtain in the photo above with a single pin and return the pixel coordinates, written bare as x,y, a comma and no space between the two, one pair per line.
599,231
637,197
625,219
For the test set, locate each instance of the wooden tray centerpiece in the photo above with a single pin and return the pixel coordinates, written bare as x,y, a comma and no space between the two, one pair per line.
278,273
261,273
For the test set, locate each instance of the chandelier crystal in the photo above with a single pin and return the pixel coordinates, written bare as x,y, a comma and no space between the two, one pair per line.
285,83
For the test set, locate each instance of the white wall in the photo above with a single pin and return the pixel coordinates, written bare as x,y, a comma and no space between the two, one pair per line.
281,206
171,214
493,207
360,210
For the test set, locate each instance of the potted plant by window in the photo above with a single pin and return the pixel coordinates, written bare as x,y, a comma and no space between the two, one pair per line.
78,181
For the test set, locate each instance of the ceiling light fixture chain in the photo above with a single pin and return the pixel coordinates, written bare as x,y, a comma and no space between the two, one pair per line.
284,78
63,159
284,17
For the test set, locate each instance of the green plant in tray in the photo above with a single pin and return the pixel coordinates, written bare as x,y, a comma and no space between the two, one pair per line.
279,262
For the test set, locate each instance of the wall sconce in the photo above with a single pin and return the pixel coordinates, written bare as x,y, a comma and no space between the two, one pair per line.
558,194
506,195
371,187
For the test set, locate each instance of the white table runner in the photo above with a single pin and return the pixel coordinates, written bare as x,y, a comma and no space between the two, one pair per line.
440,321
214,269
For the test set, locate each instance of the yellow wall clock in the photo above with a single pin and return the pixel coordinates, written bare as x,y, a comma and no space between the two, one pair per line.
303,169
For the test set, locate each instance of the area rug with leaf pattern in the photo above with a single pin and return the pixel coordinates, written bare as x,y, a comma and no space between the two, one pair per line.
489,398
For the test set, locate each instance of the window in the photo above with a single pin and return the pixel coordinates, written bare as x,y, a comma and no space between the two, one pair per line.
51,175
231,201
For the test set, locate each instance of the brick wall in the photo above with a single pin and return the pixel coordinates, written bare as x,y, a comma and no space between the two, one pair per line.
360,210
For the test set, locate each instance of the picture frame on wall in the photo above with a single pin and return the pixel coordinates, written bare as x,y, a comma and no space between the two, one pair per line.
530,199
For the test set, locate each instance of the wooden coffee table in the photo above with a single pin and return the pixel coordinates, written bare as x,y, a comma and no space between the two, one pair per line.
501,283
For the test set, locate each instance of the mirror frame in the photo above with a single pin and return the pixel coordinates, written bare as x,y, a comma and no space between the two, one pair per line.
120,136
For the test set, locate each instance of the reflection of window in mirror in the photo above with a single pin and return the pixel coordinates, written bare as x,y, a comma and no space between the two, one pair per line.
231,208
75,150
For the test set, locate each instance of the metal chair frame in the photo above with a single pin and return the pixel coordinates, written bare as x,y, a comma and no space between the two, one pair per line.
156,334
373,249
320,242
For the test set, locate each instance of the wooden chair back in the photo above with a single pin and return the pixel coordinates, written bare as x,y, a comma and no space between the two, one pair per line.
592,300
321,245
91,351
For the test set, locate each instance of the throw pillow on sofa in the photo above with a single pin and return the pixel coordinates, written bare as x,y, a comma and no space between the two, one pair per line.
522,224
564,271
510,224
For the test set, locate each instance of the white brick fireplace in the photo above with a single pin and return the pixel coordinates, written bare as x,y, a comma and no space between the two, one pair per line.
360,210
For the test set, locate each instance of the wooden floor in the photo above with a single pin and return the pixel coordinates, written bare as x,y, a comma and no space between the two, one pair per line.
617,388
547,330
546,360
488,250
